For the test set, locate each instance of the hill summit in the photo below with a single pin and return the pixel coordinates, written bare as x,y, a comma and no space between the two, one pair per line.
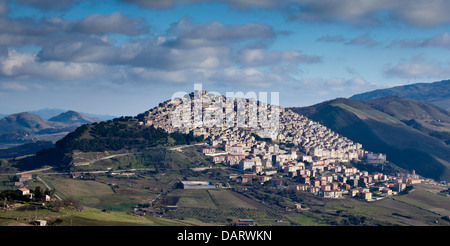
437,93
71,117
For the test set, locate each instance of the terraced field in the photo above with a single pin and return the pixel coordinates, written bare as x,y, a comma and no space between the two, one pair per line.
222,207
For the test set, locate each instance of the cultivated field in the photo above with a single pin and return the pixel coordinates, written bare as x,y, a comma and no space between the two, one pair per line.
220,206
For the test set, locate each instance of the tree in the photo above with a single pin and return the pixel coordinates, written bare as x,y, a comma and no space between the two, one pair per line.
50,192
38,193
361,183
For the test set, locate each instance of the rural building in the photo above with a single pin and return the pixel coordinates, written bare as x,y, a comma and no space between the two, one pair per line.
246,164
365,195
208,150
40,222
197,185
25,192
247,221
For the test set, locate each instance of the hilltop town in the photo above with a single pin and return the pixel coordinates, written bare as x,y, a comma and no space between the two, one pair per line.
284,142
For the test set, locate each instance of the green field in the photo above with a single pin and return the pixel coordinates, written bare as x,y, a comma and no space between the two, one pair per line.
221,207
88,217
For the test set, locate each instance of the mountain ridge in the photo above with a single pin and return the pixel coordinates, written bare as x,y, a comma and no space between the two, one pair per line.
437,93
47,113
72,117
26,127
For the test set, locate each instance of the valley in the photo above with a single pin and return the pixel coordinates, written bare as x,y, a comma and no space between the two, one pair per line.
335,163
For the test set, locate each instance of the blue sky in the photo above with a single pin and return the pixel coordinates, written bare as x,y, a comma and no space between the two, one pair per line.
123,57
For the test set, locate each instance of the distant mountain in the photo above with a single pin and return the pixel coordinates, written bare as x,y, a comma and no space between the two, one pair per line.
25,149
26,127
25,121
104,117
48,113
74,118
437,93
425,117
384,126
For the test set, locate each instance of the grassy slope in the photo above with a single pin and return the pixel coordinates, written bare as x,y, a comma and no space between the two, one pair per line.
220,206
420,115
89,217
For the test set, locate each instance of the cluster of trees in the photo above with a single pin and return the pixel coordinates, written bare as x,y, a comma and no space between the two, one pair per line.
258,138
11,196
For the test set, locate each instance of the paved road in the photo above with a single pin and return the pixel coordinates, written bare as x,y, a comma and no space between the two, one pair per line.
105,158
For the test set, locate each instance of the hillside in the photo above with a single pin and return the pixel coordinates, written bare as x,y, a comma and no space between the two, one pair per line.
25,127
25,121
25,149
127,164
121,134
47,113
425,117
437,93
378,131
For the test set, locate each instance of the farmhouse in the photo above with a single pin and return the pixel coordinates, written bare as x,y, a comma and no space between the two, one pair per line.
197,185
25,192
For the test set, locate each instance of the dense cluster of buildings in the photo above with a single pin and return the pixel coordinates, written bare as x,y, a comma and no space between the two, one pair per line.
253,136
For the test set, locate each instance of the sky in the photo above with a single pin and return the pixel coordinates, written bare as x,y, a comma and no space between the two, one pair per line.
123,57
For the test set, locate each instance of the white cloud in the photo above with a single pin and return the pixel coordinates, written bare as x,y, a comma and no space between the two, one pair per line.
417,13
262,57
50,4
12,86
417,67
15,62
335,84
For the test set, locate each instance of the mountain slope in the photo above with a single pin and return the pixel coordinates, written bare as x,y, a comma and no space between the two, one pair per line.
437,93
25,149
26,127
380,132
73,118
48,113
121,134
425,117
